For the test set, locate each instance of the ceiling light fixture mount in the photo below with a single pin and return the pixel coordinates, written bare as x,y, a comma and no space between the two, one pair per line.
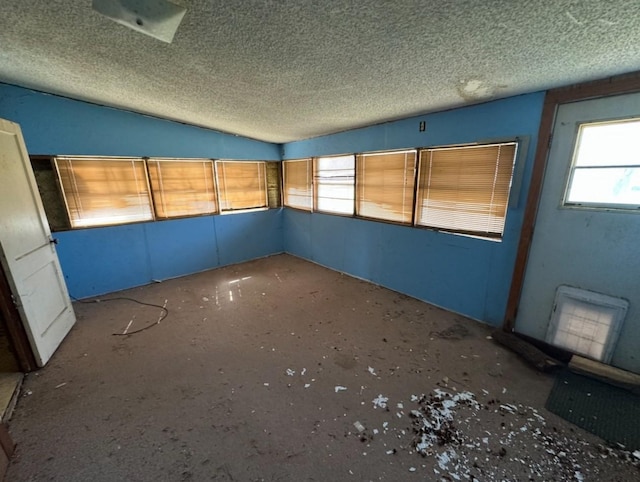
159,19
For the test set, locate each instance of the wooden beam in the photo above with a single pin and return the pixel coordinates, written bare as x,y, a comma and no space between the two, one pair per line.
530,212
607,373
535,357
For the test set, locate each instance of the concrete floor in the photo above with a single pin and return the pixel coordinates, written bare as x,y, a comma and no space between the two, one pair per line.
245,381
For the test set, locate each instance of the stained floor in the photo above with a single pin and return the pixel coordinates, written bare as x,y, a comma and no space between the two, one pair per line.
281,370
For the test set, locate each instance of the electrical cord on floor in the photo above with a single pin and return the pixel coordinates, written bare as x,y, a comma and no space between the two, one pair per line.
163,314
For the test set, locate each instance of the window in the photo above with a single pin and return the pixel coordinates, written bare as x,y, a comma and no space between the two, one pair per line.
182,187
334,184
465,189
384,185
48,183
606,166
297,184
241,185
103,191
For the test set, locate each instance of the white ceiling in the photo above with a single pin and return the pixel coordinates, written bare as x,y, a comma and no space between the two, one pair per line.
281,70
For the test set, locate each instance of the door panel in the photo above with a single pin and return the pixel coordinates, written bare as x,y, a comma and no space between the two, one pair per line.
53,304
28,256
592,249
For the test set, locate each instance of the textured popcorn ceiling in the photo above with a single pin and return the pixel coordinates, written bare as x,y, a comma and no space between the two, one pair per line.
281,70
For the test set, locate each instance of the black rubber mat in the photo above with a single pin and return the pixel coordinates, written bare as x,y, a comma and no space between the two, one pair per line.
609,412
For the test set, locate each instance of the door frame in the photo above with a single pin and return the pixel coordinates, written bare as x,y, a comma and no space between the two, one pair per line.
621,84
15,329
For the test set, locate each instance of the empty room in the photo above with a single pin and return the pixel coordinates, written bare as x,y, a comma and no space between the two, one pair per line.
316,241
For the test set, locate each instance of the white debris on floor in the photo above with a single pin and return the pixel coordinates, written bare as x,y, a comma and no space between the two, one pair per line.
433,421
380,401
516,442
358,426
340,388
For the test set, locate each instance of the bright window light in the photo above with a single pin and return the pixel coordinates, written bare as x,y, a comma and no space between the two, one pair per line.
384,185
242,185
606,166
101,191
466,189
297,189
334,184
182,187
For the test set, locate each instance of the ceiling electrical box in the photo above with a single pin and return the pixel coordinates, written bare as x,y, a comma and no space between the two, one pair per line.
159,19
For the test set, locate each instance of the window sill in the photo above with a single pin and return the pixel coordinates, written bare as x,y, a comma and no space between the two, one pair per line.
240,211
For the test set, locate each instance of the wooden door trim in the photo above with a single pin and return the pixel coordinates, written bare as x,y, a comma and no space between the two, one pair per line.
622,84
15,329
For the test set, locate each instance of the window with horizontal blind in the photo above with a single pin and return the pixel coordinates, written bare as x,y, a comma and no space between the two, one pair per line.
606,166
465,189
384,185
297,176
104,191
334,184
241,185
182,187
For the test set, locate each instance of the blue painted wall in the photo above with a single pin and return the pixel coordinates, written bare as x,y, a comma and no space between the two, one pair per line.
101,260
57,125
467,275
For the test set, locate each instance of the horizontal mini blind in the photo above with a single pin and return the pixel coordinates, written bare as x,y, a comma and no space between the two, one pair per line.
182,187
334,184
298,192
241,185
465,189
384,185
104,191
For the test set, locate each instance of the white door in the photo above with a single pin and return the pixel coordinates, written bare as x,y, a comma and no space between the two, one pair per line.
592,245
27,253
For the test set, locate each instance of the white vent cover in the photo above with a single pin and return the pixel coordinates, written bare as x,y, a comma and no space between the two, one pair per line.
157,18
586,322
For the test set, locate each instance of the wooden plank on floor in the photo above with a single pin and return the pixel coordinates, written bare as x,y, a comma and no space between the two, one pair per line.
606,373
7,448
6,442
530,353
9,388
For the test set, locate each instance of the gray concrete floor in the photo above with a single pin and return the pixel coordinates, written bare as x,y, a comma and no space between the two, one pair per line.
241,382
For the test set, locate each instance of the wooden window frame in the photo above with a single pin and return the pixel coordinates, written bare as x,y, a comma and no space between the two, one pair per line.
472,209
158,193
311,196
316,185
73,190
224,211
360,195
407,173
